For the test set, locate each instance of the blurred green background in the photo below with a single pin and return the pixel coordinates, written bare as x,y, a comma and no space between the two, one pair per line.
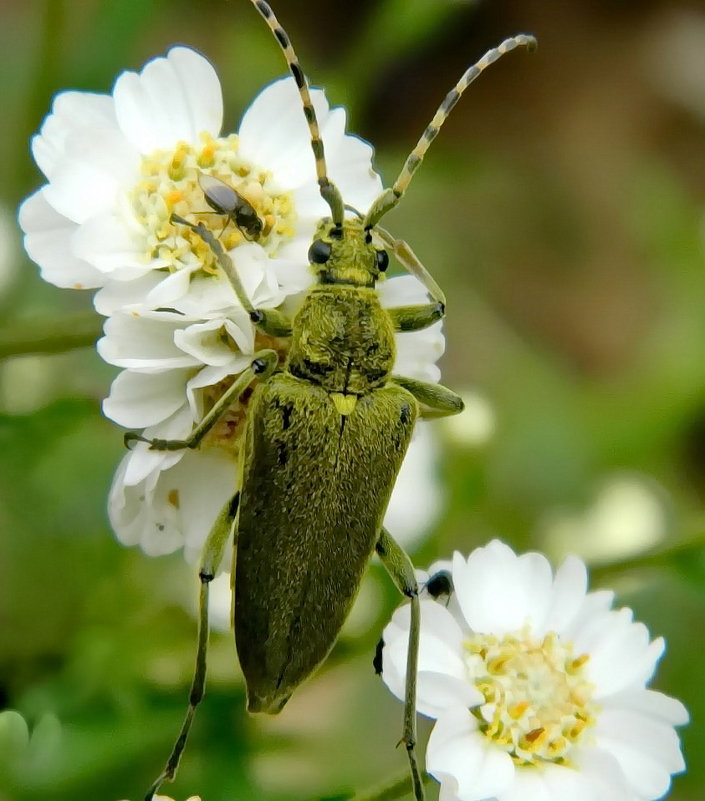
562,210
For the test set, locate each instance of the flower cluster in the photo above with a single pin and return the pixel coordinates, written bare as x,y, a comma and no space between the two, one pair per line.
538,687
118,167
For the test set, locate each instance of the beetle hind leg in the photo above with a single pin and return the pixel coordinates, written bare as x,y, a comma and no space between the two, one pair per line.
211,558
400,568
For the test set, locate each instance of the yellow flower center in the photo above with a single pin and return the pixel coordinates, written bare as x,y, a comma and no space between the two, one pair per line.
538,702
169,185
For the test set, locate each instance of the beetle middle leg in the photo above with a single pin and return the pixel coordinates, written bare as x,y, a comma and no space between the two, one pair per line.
400,568
262,366
435,399
211,557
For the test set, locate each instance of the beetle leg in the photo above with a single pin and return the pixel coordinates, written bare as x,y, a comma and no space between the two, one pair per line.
435,399
271,321
211,558
410,262
400,568
262,366
414,318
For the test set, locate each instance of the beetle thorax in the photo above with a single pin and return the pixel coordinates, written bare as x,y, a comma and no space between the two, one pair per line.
342,340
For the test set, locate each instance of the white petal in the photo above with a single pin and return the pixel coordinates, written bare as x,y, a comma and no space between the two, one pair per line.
274,132
601,772
259,282
417,351
173,99
138,400
652,703
493,588
648,751
48,241
208,296
241,330
171,289
620,653
204,342
108,242
529,785
569,589
145,461
597,779
128,296
402,290
293,274
96,166
594,607
440,659
205,481
457,749
132,515
175,507
536,578
417,497
208,377
71,112
143,344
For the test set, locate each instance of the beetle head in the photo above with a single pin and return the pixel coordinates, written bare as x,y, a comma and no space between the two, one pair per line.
346,254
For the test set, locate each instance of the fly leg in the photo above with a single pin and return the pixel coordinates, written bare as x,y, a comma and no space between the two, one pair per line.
211,558
401,570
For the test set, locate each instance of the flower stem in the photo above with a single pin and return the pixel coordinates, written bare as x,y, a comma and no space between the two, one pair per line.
47,335
392,790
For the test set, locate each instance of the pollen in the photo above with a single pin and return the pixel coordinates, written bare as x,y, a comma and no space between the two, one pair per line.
538,702
169,185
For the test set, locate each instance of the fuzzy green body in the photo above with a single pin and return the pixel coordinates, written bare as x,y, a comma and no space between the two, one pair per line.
315,487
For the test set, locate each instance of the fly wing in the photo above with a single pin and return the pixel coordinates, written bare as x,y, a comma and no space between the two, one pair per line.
315,487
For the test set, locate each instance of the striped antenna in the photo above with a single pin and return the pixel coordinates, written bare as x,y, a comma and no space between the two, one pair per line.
329,192
390,197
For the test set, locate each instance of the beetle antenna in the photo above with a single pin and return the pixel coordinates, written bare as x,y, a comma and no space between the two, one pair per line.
390,197
329,191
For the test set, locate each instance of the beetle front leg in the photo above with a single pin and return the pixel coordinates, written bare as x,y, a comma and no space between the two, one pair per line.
211,557
262,366
410,262
415,318
400,568
270,321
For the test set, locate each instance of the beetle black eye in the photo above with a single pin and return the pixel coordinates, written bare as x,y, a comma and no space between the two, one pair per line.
382,260
319,252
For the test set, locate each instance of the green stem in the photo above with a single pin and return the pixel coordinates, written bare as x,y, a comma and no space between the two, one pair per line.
392,790
46,335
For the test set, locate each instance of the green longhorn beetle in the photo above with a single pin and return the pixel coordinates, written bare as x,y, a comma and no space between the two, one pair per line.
325,437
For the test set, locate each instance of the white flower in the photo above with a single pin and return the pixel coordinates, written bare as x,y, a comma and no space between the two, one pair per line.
537,686
118,166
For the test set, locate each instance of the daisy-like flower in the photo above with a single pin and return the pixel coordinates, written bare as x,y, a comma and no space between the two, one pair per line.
118,167
538,687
